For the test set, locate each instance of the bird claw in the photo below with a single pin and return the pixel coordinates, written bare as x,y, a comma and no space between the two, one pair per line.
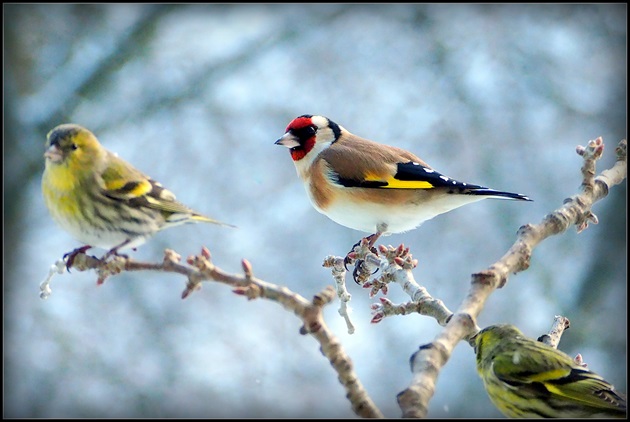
73,254
346,261
371,239
114,251
358,269
369,243
351,256
355,272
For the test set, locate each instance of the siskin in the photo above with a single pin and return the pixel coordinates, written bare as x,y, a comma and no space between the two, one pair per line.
102,200
525,378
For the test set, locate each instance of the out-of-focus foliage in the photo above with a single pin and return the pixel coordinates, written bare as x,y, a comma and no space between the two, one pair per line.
195,96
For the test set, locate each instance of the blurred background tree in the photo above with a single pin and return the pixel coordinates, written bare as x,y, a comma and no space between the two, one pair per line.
195,96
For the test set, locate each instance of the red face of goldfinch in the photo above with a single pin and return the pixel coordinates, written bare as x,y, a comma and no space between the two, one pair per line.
369,186
304,132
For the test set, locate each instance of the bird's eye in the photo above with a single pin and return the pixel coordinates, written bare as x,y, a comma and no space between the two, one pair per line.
74,147
306,132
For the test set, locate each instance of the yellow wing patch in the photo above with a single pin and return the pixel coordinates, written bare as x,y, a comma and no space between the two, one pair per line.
127,189
550,375
394,183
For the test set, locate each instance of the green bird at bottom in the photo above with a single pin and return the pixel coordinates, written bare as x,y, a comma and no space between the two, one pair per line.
525,378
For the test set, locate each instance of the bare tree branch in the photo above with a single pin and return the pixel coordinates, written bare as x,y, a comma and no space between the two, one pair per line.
200,269
427,362
552,338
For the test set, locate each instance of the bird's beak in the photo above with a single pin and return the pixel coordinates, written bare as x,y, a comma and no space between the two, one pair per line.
288,140
54,154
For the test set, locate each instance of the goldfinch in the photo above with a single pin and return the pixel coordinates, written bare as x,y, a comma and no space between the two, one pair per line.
526,378
102,200
372,187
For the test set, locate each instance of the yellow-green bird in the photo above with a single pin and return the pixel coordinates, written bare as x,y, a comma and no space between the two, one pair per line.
526,378
102,200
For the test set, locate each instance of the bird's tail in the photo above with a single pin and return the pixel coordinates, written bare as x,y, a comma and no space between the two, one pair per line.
203,219
498,194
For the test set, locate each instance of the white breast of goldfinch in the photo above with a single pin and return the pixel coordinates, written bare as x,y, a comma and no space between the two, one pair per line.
406,210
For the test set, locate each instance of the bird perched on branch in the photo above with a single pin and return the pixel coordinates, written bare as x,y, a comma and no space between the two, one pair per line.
526,378
372,187
102,200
